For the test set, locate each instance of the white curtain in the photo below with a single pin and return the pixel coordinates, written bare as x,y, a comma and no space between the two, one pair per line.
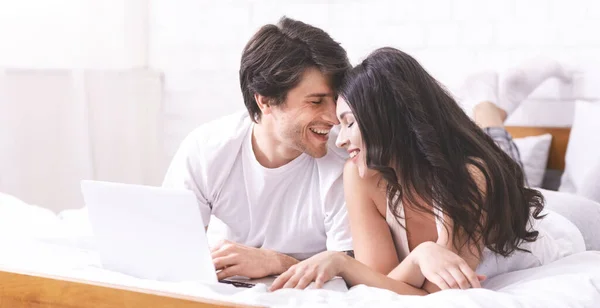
58,127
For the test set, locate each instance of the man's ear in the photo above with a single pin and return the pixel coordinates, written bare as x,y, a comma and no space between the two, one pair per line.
263,102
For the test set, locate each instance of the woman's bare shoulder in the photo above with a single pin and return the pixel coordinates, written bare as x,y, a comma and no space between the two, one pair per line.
372,186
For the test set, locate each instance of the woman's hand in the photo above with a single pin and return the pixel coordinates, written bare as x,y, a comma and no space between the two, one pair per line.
445,268
319,268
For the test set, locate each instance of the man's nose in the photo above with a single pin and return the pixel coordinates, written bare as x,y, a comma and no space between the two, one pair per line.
330,113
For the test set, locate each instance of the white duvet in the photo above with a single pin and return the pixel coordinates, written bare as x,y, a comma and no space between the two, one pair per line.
35,240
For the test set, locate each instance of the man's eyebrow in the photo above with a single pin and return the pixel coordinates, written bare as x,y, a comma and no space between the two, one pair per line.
319,94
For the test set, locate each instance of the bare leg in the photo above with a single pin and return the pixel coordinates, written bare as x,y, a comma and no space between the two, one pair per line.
478,87
489,99
520,81
490,108
488,114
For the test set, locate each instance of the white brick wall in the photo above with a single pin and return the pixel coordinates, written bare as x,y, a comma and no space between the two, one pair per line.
198,42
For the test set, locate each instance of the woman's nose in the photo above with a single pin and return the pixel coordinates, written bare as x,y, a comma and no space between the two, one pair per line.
341,141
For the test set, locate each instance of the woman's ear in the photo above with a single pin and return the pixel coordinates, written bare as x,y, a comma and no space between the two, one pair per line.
263,102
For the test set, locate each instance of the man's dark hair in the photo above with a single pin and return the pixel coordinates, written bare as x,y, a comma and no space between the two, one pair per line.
275,58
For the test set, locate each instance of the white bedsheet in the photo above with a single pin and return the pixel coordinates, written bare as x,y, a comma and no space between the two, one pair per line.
573,281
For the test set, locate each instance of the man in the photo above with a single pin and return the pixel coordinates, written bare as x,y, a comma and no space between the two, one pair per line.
273,174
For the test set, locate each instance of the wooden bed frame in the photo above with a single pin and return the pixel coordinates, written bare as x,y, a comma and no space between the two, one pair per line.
20,289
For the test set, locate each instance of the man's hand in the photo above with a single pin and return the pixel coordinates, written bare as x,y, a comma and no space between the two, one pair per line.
234,259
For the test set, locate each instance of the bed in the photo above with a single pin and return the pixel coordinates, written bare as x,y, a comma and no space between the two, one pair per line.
45,263
35,290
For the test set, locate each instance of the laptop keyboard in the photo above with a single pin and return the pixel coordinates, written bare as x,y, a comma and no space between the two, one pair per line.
238,284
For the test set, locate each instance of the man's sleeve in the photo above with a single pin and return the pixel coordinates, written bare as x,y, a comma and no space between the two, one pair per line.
186,171
337,226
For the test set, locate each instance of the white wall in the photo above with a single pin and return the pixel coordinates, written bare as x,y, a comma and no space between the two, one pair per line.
198,43
67,34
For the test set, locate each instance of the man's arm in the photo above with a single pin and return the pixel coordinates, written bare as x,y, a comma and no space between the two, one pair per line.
232,259
185,172
337,225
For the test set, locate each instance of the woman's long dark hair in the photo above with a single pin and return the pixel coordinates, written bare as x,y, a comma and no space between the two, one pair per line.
422,143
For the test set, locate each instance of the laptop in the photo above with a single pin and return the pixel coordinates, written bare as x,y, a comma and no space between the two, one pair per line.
155,233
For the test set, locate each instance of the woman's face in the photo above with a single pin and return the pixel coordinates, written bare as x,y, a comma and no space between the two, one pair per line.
350,137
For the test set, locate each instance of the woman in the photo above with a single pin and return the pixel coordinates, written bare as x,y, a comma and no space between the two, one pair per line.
432,197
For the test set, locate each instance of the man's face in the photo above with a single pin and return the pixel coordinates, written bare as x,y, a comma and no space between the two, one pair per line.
304,120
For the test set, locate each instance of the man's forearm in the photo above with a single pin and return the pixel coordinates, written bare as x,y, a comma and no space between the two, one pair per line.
280,262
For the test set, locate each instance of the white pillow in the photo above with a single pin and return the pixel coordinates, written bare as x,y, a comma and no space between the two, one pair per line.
582,161
534,152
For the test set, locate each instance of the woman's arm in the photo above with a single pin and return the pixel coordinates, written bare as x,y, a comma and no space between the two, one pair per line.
374,247
407,278
375,252
469,250
366,201
354,273
371,237
328,264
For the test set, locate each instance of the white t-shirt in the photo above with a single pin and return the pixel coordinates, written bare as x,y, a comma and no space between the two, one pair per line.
297,209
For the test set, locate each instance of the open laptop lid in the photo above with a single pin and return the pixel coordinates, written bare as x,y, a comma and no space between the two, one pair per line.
149,232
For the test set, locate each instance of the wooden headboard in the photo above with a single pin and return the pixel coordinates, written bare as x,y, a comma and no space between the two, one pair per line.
558,147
